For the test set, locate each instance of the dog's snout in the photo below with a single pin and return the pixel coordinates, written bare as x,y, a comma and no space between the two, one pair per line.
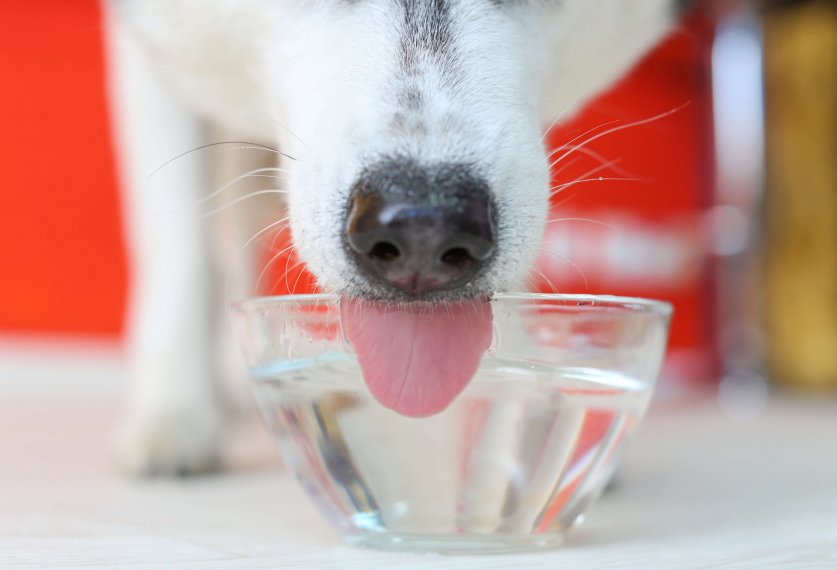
421,230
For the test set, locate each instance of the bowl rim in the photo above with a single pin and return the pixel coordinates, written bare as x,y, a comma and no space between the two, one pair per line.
637,305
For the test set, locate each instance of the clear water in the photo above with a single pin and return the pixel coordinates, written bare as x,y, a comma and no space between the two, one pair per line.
515,459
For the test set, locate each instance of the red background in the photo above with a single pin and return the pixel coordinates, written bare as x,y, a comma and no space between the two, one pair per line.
62,266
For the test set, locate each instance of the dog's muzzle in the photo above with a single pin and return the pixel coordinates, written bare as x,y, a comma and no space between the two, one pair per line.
418,230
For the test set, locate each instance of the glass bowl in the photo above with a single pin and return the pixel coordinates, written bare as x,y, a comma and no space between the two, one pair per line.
510,464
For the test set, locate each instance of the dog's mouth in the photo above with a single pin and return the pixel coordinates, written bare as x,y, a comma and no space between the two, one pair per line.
417,357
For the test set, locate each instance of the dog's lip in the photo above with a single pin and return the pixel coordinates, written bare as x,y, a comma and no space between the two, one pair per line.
465,291
432,298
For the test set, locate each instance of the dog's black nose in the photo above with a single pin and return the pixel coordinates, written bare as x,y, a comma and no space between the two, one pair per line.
420,229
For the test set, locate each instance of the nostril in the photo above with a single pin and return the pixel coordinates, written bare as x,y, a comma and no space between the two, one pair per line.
457,257
420,228
384,251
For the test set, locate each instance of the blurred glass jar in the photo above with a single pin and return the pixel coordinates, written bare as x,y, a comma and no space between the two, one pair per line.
800,48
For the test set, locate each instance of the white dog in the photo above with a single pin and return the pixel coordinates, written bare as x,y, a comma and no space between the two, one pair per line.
410,134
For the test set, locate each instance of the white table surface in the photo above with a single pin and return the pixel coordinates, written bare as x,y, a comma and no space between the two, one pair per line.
697,489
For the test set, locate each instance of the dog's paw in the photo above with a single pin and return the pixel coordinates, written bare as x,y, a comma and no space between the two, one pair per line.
174,442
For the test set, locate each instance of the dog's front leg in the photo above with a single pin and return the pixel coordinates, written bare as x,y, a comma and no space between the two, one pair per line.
172,423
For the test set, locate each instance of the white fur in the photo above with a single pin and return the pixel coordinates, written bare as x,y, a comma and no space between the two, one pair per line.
321,80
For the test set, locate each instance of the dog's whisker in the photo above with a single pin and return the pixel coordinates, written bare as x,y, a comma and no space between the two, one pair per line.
217,144
584,178
267,266
298,276
590,173
600,168
571,141
561,202
287,261
557,120
235,181
266,169
282,230
555,190
612,164
296,281
563,168
571,263
561,187
286,129
281,171
242,199
545,278
246,245
611,226
622,128
244,146
264,230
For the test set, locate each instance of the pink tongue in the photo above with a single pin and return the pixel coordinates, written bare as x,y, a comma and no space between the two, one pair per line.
417,359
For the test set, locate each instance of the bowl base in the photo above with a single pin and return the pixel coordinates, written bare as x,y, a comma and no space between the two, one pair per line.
456,544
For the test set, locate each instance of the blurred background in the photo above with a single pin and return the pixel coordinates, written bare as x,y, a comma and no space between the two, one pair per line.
719,195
